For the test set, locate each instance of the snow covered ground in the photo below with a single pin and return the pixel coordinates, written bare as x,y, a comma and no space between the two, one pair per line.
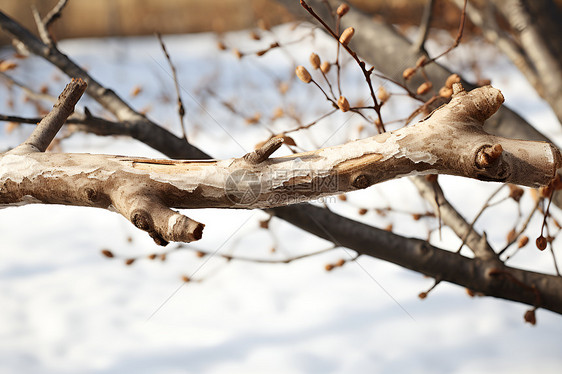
65,308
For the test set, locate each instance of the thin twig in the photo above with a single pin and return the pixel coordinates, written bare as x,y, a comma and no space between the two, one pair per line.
49,126
181,109
366,72
44,24
427,15
457,39
521,231
551,248
486,205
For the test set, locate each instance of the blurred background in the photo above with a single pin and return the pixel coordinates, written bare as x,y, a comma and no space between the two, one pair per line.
86,18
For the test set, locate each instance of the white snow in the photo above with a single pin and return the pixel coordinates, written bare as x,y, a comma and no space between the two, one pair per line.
65,308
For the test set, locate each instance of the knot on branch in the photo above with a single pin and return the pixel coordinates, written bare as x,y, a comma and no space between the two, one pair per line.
488,156
361,181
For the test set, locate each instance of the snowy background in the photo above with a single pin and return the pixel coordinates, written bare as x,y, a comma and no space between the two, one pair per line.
65,308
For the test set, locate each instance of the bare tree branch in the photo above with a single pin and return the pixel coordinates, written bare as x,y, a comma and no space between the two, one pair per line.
181,109
143,190
427,15
546,63
432,192
485,276
140,127
50,125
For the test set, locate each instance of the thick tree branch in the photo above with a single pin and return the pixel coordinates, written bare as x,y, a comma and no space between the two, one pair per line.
450,141
485,276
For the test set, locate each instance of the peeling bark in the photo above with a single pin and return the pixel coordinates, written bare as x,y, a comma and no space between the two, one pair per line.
450,141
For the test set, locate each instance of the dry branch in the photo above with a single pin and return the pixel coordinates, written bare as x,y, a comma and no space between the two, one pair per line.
131,123
50,125
450,141
432,192
488,277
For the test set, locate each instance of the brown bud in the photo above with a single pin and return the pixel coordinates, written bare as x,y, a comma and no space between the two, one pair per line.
422,295
325,67
416,216
136,91
314,61
545,191
470,293
253,119
541,243
343,104
522,241
254,35
446,92
107,253
152,256
389,227
263,24
278,113
287,140
264,224
511,235
424,88
530,317
383,94
515,192
346,35
408,73
303,74
221,46
283,88
163,257
453,78
237,53
200,254
329,267
421,61
362,211
340,262
185,278
7,65
129,261
342,197
342,10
